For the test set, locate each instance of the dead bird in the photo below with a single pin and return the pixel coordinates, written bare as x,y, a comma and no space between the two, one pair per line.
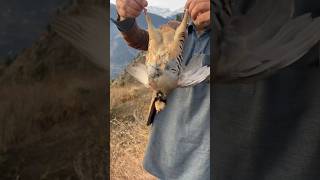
164,69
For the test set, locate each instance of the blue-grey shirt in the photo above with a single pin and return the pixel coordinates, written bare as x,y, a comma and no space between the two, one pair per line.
179,145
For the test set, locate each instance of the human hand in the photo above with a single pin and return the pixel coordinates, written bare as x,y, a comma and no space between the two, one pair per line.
199,11
130,8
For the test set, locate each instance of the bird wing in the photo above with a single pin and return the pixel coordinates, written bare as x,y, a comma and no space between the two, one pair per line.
194,73
262,40
139,71
87,33
193,77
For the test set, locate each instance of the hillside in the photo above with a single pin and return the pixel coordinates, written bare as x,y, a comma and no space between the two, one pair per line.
53,103
129,102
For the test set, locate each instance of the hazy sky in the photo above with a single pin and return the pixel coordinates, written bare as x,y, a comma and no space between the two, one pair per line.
171,4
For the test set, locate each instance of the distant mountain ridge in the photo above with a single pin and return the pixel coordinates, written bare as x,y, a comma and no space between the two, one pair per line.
165,12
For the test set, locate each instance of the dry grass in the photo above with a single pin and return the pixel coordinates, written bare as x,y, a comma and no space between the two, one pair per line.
52,106
129,133
51,129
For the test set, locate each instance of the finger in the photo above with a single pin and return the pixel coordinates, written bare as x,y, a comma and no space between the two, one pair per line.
203,19
132,12
120,8
195,2
119,4
188,4
133,4
199,9
128,12
122,13
142,3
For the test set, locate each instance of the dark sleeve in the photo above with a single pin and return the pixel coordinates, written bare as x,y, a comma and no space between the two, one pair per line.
132,34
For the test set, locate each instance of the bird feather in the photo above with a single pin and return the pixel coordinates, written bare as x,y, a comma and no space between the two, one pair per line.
139,71
261,40
87,33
